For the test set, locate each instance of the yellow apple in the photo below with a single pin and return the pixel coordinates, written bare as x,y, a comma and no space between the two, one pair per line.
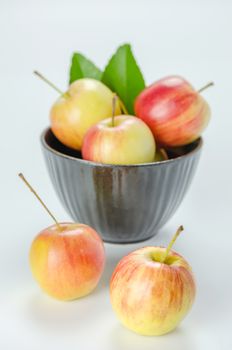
86,102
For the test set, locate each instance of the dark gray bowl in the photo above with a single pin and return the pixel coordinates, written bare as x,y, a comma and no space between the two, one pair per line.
126,203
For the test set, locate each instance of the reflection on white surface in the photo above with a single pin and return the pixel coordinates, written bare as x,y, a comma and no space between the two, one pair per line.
120,338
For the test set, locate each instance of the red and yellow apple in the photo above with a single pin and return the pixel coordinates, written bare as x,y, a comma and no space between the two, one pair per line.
176,113
151,292
67,260
121,140
86,102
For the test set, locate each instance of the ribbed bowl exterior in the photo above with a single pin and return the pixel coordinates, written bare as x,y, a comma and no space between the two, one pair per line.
124,204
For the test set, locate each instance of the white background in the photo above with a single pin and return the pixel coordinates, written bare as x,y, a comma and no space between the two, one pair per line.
190,38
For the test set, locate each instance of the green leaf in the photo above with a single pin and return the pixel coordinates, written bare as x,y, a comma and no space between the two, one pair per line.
123,76
81,67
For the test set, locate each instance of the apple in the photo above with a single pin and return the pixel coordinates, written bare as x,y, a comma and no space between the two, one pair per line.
176,113
66,259
152,289
86,102
122,140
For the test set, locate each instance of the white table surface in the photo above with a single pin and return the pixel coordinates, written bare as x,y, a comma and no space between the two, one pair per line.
190,38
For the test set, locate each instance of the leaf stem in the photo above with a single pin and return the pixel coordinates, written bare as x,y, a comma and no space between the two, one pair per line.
39,199
179,230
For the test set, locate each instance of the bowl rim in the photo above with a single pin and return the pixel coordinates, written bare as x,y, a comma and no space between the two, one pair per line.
91,163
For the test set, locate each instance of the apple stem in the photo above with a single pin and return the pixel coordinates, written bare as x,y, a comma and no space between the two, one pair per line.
164,153
179,230
114,101
42,77
211,83
39,199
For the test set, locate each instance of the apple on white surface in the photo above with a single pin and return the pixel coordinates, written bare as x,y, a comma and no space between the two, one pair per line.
152,289
66,259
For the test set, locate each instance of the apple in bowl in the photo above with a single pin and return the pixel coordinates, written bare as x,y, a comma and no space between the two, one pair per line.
121,140
86,102
176,113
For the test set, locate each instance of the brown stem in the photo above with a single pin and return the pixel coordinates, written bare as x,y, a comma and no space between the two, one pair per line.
180,229
164,153
211,83
39,199
122,107
114,101
42,77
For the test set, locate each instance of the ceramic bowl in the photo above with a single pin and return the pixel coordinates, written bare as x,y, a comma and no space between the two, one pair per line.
123,203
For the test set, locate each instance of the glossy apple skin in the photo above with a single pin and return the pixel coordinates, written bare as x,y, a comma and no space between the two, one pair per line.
175,112
86,102
129,141
149,297
68,262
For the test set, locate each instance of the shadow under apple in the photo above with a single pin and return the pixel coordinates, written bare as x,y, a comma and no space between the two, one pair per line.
123,339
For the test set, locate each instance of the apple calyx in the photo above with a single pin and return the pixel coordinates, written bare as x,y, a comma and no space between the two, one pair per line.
179,230
42,77
39,199
206,86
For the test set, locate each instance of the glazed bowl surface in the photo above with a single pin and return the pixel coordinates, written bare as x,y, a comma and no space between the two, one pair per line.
124,203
